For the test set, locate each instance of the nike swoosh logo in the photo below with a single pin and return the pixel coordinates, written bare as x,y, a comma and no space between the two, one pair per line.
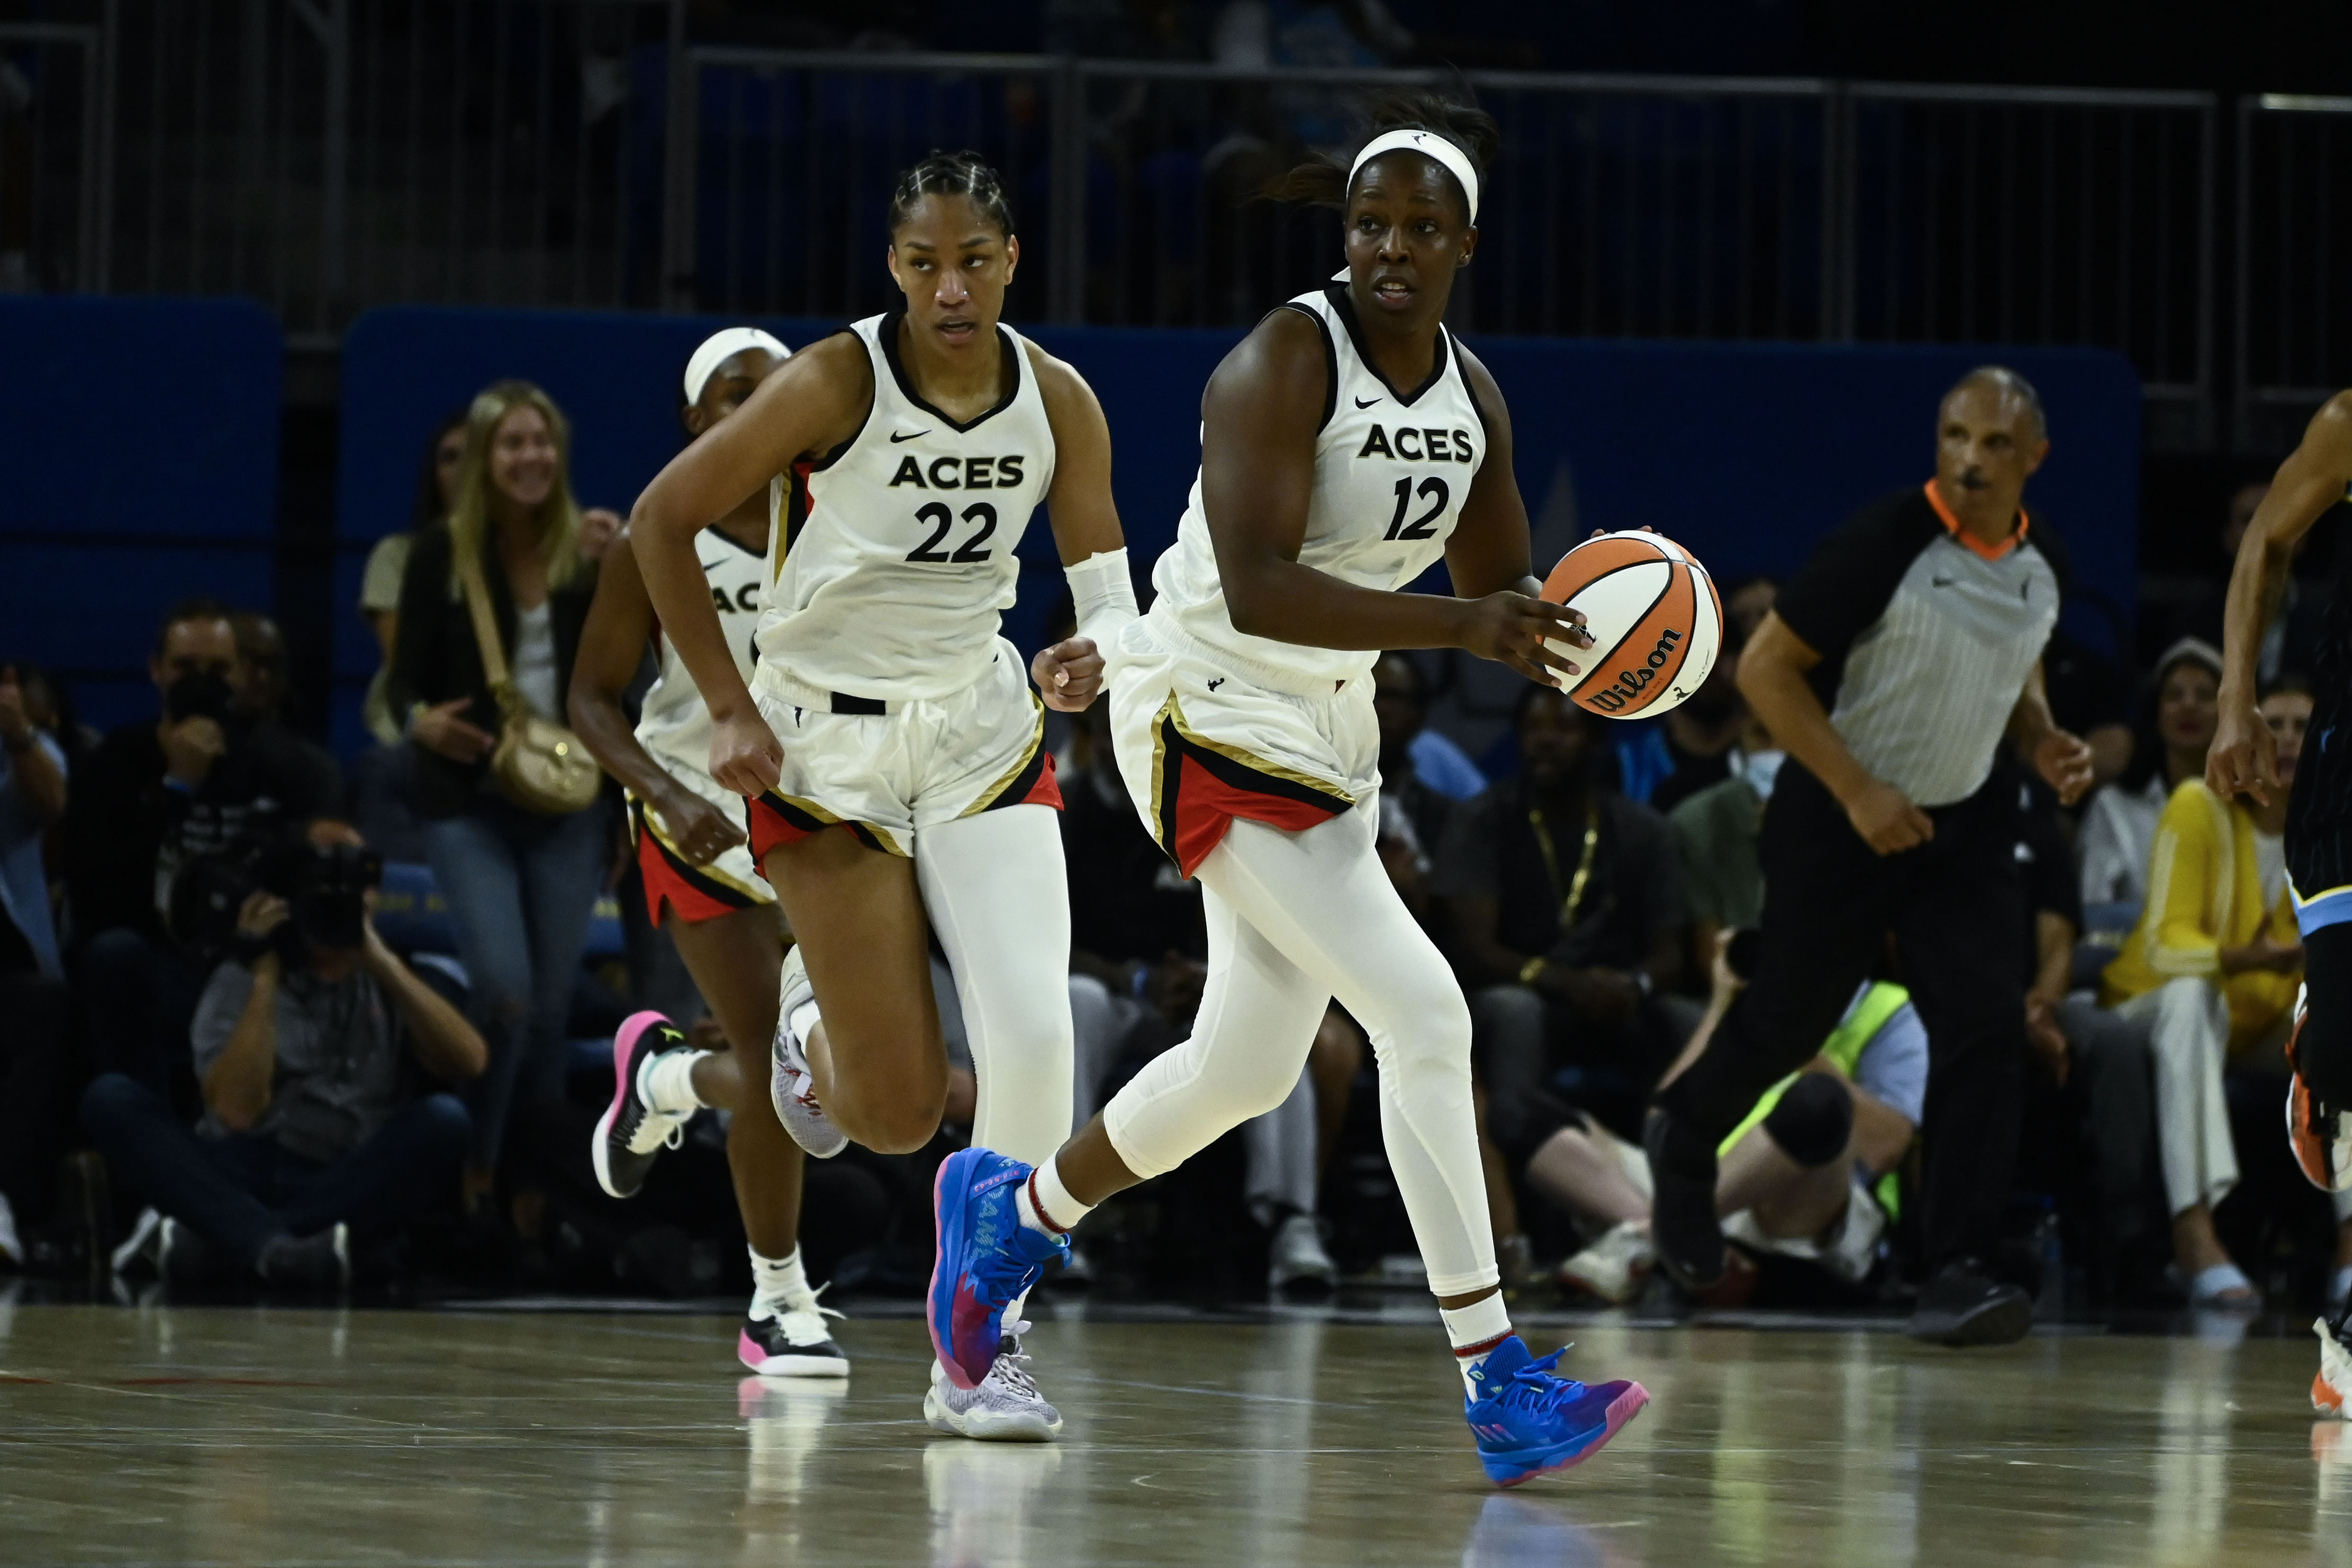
1366,403
896,437
708,566
1944,581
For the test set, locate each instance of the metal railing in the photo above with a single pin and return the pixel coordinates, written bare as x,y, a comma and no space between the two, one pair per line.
2293,235
54,122
1673,207
327,155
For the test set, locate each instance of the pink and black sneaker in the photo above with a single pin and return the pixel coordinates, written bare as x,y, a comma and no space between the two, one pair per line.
632,1134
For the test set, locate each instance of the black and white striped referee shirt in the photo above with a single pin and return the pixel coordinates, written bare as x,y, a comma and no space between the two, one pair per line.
1927,638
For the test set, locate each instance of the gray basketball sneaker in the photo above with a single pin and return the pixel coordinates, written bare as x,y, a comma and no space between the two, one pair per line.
790,1087
1005,1407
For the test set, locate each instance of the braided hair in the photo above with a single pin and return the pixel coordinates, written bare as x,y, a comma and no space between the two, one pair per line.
1322,183
963,173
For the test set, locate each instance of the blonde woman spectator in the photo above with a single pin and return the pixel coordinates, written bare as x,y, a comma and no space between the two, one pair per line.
520,886
2119,825
2211,970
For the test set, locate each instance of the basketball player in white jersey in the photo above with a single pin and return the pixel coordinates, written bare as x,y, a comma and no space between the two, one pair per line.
888,742
1346,445
702,887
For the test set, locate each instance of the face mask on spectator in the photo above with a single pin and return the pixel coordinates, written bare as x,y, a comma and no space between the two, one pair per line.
1760,768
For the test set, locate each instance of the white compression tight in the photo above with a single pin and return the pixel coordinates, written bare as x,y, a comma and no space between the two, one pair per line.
1000,903
1295,919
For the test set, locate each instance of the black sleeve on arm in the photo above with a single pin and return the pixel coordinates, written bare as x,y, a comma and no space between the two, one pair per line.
1844,587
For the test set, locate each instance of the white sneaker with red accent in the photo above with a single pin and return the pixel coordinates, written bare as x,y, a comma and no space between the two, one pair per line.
2331,1390
791,1087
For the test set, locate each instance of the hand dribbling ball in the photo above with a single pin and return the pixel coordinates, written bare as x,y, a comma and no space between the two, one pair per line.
1655,620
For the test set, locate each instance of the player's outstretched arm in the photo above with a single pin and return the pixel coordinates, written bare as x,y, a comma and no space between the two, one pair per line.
813,402
2244,759
1086,525
1257,476
612,646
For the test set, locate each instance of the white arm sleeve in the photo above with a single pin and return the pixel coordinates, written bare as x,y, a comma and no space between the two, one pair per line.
1102,594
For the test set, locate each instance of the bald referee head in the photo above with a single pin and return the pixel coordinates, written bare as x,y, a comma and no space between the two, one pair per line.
1991,435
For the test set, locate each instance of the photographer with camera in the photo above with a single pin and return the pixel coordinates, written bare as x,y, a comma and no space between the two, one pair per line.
305,1039
199,787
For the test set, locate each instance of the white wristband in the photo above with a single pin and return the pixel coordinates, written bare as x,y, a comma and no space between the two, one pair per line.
1102,595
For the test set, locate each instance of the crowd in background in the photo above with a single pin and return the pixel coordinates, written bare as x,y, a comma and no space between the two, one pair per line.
218,1067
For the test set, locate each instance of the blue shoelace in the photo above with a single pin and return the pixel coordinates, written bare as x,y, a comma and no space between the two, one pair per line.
1534,1388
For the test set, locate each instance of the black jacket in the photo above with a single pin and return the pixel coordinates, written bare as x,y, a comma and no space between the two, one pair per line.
437,658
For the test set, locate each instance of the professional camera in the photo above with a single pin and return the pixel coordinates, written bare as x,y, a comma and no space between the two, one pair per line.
325,892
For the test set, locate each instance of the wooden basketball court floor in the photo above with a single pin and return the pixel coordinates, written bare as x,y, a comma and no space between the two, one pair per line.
275,1435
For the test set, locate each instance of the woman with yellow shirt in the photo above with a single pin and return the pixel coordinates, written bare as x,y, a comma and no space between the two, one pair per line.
2211,971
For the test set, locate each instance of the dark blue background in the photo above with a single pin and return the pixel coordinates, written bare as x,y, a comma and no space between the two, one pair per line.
139,445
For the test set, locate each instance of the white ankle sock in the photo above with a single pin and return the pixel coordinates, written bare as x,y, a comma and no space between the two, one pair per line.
777,1283
1476,1330
667,1082
1043,1192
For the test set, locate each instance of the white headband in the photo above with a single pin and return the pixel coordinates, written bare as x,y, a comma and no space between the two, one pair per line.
1428,146
720,347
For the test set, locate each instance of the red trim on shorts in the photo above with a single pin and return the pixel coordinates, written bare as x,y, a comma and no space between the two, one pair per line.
1201,793
776,821
668,878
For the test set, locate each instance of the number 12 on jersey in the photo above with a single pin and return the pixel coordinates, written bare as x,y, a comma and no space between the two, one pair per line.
1431,490
941,518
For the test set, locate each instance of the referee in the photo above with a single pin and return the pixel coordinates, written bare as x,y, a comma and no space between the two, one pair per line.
1894,669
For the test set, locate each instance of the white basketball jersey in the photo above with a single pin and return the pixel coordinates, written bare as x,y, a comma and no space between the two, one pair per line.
1392,472
896,558
674,725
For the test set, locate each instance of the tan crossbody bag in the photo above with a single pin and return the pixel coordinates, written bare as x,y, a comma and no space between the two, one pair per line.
539,765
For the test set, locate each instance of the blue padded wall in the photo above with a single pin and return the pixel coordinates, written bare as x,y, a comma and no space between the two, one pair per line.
1748,454
140,441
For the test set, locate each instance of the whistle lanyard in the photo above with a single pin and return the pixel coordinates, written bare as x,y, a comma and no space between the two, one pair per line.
1583,863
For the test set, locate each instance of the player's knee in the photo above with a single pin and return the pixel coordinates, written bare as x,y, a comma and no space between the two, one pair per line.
904,1126
1813,1120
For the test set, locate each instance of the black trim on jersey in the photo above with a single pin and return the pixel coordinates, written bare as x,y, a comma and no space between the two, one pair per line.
1470,389
819,464
796,511
1330,362
1337,293
723,535
887,336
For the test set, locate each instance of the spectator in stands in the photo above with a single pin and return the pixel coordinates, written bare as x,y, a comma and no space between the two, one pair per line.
1565,909
1696,745
2119,824
1138,946
1421,770
1798,1176
1716,835
33,997
312,1128
521,886
261,652
2094,1096
387,563
2212,968
163,812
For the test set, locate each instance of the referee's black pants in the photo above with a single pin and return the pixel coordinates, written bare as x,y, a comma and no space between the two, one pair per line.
1955,906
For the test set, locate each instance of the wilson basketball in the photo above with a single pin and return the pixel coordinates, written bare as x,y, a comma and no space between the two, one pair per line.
1655,620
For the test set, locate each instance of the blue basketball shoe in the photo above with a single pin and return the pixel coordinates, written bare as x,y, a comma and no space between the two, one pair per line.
1528,1421
986,1258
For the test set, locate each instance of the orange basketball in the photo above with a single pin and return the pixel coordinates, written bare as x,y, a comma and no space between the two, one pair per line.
1655,620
